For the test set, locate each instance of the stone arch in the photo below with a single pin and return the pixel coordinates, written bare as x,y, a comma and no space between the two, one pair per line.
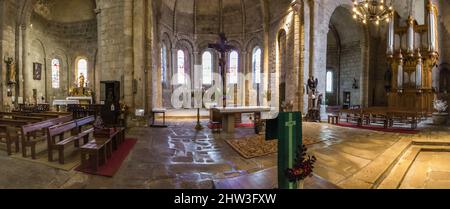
352,40
253,91
64,73
39,58
188,48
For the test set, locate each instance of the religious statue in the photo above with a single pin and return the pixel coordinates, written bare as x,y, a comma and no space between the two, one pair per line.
81,80
10,70
312,84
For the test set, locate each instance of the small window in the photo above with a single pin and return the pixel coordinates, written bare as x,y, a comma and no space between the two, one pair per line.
234,65
82,69
329,82
163,63
257,65
55,73
180,67
207,68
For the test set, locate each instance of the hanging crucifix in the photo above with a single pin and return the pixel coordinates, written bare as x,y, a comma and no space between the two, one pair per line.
223,48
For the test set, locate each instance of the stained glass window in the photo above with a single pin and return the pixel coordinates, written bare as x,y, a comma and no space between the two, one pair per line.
180,56
55,73
207,68
234,64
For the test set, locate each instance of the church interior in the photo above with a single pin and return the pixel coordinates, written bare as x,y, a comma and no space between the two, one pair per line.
224,94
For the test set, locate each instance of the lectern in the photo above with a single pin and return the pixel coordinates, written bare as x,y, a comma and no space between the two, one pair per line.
287,128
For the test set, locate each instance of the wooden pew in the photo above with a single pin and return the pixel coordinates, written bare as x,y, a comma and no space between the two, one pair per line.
87,121
9,134
30,137
61,131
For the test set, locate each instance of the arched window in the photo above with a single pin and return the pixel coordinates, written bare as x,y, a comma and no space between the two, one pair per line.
256,65
180,67
234,64
82,66
163,63
329,82
55,73
207,63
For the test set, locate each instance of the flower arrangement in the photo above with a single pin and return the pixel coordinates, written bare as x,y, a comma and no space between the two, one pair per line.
440,105
303,167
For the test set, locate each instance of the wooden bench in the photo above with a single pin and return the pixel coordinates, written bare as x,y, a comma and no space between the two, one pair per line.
158,111
30,135
10,137
61,131
95,154
79,132
97,151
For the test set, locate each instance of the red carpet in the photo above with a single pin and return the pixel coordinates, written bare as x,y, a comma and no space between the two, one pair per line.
242,125
113,164
380,128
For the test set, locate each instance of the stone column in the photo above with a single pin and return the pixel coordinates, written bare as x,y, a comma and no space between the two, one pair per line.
128,54
139,52
22,70
98,67
242,87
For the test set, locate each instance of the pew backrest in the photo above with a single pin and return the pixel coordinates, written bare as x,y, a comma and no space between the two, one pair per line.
85,121
61,129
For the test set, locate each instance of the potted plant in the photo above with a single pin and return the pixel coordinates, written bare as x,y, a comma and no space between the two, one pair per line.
440,117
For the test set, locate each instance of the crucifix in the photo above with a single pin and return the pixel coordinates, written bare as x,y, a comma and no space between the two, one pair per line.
223,48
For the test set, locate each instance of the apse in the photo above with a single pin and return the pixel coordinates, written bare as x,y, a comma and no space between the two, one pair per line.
60,34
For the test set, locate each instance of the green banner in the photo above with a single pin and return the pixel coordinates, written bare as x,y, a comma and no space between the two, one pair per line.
287,128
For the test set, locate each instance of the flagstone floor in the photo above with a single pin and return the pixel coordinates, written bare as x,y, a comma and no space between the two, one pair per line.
179,157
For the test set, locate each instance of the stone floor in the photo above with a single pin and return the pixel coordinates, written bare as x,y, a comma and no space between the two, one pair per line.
179,157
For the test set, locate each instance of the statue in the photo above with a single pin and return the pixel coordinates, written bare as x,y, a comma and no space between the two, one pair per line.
312,84
10,70
81,80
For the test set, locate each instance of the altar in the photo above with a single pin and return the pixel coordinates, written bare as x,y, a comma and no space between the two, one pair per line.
228,115
81,99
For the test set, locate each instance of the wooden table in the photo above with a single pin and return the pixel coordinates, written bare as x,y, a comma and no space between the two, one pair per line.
228,115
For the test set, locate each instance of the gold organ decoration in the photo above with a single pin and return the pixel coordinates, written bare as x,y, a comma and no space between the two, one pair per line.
412,53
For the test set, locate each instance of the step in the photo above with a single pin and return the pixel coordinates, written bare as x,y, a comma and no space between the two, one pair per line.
374,172
398,172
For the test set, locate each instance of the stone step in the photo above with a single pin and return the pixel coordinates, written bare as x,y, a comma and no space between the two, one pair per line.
398,172
372,174
435,142
401,168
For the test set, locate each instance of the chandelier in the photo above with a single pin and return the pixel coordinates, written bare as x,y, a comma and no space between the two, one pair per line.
372,11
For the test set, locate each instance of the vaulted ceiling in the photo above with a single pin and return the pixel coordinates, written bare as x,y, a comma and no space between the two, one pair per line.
212,16
65,11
